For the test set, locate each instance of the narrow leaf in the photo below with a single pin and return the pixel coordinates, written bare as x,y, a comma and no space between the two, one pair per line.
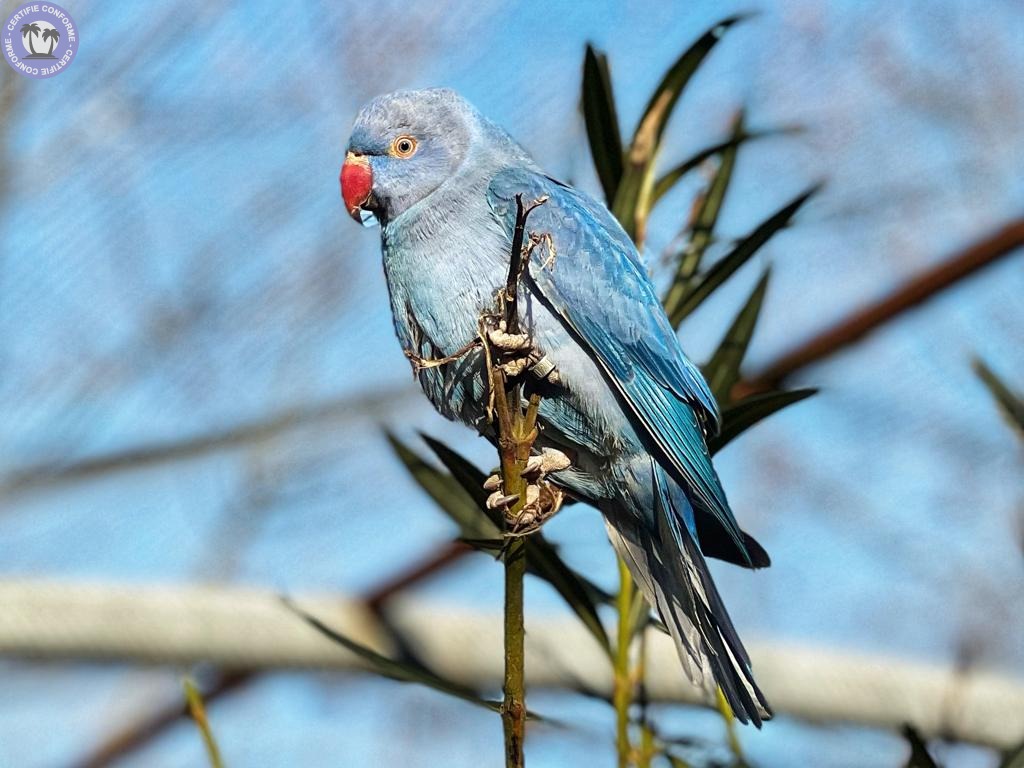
495,546
666,182
632,201
451,495
602,121
1014,758
465,474
741,416
723,369
634,196
1010,403
723,269
919,755
542,558
663,100
704,220
406,672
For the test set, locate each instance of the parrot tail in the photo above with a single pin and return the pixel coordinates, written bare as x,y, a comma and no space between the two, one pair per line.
670,570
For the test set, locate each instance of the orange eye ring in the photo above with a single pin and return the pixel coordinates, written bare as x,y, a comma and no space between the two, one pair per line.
403,146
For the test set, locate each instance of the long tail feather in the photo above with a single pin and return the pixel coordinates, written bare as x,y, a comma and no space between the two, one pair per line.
670,571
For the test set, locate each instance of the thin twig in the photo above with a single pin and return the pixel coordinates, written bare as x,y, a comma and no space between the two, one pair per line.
434,562
517,263
994,246
140,733
516,432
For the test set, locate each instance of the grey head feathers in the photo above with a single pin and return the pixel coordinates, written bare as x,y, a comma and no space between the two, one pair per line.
454,146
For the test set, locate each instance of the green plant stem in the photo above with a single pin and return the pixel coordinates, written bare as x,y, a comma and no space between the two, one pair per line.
647,750
623,688
517,431
731,736
513,710
197,711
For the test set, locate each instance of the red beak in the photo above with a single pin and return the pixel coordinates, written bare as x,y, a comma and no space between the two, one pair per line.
356,183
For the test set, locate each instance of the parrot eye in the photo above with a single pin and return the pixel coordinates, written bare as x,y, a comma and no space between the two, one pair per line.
403,146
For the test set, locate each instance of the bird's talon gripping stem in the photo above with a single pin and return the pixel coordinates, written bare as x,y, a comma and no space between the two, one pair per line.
547,461
508,342
520,354
543,499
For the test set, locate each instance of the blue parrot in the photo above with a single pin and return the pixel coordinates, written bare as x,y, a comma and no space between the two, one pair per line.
627,406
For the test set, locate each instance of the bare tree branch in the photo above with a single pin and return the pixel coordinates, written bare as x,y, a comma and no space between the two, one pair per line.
255,431
141,732
986,251
246,629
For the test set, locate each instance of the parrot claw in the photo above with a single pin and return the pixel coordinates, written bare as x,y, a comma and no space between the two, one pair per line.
508,342
542,499
498,499
547,461
515,366
522,355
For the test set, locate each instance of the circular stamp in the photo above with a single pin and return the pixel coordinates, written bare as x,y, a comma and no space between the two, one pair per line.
39,40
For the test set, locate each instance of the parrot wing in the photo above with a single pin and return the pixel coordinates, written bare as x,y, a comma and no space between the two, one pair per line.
598,287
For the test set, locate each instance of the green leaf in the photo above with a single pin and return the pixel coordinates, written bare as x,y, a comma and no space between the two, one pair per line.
542,558
495,546
466,474
704,220
602,121
919,755
678,308
450,494
1014,758
462,496
676,762
723,369
634,196
663,100
197,711
579,593
665,183
406,672
739,417
1010,403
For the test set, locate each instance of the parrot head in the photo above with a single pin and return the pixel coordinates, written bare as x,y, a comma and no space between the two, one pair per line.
404,146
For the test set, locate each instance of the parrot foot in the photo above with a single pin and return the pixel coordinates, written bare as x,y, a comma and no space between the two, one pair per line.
543,499
521,354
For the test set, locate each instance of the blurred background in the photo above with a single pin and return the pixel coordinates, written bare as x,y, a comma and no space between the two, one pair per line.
197,360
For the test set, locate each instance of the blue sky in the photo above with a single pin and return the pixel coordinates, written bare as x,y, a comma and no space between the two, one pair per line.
177,261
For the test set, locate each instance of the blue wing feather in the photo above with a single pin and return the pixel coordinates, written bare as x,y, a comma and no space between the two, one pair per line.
600,290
